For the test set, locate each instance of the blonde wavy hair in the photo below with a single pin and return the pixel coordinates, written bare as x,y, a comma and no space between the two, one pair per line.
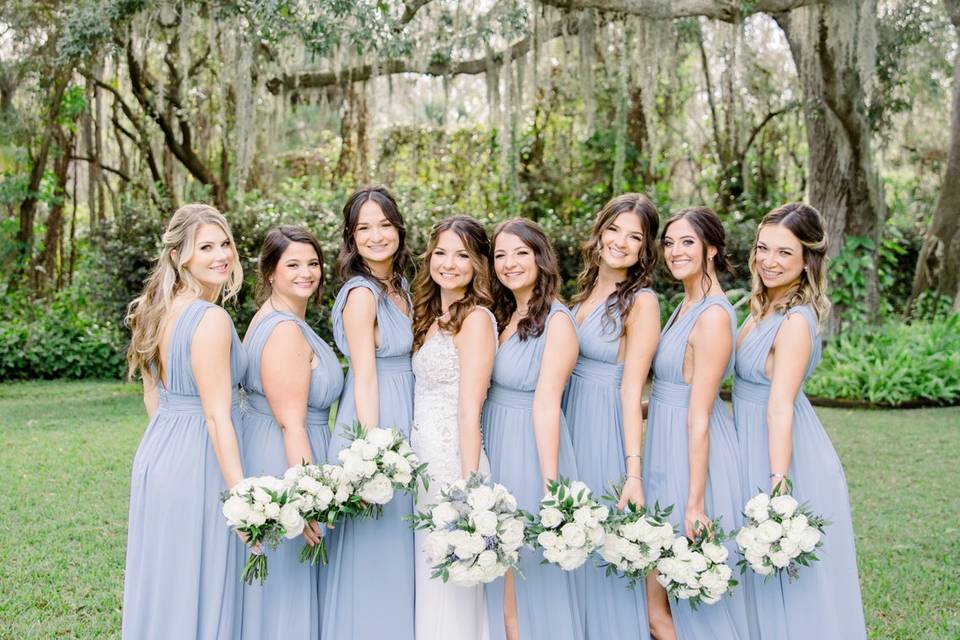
806,223
147,313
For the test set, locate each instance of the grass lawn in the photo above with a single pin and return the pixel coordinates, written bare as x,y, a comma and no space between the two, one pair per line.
66,449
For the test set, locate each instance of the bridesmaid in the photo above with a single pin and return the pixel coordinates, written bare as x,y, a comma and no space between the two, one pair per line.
182,576
690,452
618,326
455,341
369,585
525,433
781,437
292,380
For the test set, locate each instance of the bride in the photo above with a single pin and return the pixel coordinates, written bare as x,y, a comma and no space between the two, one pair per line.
454,343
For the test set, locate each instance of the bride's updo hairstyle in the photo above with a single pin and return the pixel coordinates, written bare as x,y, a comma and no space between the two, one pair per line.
426,292
546,289
170,276
806,224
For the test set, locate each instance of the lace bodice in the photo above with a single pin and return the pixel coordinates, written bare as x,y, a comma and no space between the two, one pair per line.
435,435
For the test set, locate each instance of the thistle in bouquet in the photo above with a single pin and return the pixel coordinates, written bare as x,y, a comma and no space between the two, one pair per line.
569,526
263,510
475,532
779,535
377,463
696,570
635,539
323,495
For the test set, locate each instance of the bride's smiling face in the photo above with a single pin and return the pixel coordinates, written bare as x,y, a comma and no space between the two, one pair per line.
450,264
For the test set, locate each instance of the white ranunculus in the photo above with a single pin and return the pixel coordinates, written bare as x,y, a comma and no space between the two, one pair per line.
485,522
308,484
595,535
443,515
573,534
459,573
754,558
601,513
779,559
572,559
550,517
553,555
769,531
549,540
343,493
323,497
380,438
610,551
271,510
369,451
712,581
757,502
799,522
394,459
437,546
790,547
237,511
746,537
810,539
698,561
291,520
511,534
583,516
377,490
680,547
632,530
487,559
482,498
724,571
785,505
470,546
256,518
715,552
260,496
402,479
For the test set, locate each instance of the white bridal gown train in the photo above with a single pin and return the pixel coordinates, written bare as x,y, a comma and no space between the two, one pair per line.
444,611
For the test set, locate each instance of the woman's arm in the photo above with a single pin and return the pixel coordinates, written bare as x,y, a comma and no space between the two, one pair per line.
712,343
791,351
476,344
359,325
151,398
285,374
640,344
210,360
559,357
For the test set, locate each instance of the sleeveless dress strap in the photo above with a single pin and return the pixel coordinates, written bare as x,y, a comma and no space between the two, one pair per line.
336,312
493,321
179,372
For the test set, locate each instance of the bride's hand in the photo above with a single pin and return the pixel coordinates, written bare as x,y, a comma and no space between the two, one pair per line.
632,492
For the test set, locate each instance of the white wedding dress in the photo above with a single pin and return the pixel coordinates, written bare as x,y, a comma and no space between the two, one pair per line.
444,611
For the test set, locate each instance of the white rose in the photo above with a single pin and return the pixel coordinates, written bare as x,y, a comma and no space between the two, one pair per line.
769,531
511,534
549,540
485,522
380,438
469,547
798,522
759,502
482,498
270,483
260,496
291,520
369,451
724,571
790,547
444,515
680,547
377,490
610,551
487,559
459,574
550,517
713,582
716,553
595,535
601,513
323,497
583,516
394,460
809,540
698,562
710,599
761,569
754,558
779,559
256,518
553,555
437,546
573,534
342,494
308,484
572,559
579,491
271,510
784,505
746,537
236,510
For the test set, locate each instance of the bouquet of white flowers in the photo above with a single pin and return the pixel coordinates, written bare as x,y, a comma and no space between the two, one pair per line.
635,540
696,570
264,510
377,462
569,526
324,496
779,535
475,532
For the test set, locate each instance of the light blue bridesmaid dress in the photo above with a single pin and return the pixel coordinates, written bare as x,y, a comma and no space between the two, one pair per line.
369,583
182,578
592,406
288,604
824,603
666,471
549,600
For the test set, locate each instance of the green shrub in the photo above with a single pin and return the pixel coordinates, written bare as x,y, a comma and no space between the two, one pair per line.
59,339
893,365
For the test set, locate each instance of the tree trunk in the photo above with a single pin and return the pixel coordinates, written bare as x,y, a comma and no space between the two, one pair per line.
938,266
843,183
46,264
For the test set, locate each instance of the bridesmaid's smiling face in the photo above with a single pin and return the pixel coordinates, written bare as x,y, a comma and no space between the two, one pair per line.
450,264
779,258
683,250
376,237
212,257
298,272
621,241
514,263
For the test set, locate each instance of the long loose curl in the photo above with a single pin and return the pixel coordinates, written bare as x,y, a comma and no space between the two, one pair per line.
426,292
349,261
147,313
639,275
806,223
546,289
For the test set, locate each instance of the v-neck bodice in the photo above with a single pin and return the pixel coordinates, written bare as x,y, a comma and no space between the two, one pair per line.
752,352
668,361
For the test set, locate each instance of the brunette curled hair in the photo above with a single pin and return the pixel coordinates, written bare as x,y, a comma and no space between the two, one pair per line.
546,289
274,244
639,275
349,261
709,229
426,292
